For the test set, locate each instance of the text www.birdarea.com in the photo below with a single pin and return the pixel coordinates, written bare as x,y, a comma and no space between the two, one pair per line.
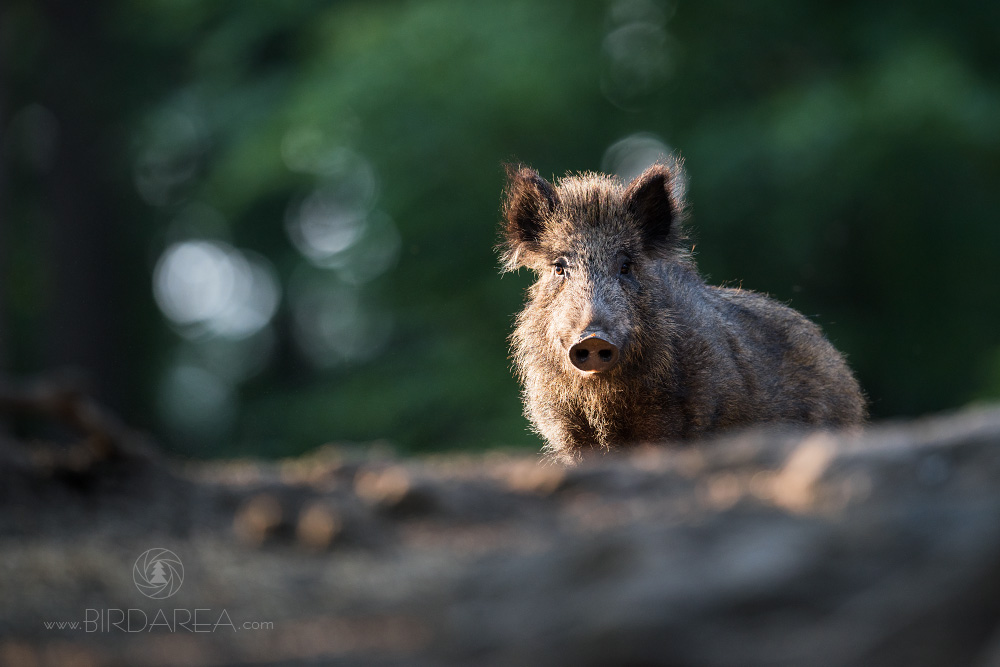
171,620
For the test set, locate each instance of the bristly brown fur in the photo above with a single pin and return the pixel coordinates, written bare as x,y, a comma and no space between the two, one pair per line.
529,199
694,359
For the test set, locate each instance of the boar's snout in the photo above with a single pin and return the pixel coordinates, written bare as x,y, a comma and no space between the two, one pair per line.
594,353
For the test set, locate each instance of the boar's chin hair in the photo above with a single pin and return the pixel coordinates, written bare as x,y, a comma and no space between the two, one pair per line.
554,389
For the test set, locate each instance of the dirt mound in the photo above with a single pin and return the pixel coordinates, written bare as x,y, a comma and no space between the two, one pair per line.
762,548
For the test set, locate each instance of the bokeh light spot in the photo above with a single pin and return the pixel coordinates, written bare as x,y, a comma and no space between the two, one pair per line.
629,157
210,288
170,148
330,219
334,324
637,61
197,405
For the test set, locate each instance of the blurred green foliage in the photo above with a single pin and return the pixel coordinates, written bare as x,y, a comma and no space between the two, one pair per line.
843,157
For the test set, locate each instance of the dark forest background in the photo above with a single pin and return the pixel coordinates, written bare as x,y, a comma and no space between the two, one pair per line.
258,227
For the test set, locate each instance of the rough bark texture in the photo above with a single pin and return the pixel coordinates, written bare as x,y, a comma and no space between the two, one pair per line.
757,549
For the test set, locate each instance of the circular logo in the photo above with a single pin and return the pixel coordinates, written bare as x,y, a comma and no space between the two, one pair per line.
158,573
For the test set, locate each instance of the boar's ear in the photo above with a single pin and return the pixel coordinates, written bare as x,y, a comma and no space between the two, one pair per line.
656,199
528,200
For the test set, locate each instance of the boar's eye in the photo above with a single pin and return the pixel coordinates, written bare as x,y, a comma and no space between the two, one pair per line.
558,269
626,268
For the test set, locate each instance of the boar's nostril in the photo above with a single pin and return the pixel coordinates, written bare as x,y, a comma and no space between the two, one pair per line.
605,357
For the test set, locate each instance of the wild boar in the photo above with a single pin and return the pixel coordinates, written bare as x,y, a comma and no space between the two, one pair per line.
621,341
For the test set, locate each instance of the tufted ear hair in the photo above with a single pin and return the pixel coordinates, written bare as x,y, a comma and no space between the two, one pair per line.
656,200
528,200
